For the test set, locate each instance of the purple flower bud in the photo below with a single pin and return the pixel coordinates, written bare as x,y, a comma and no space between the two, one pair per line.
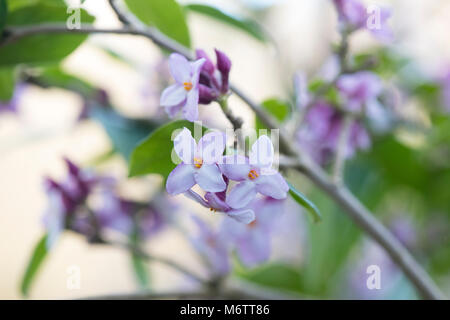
206,94
224,66
208,66
12,105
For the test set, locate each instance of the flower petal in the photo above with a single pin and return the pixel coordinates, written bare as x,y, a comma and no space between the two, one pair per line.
241,195
196,68
181,179
180,68
172,96
273,186
254,249
185,146
262,152
209,178
196,197
235,167
190,110
215,201
211,147
245,215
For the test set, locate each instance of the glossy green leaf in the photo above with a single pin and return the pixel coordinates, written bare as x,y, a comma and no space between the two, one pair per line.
16,4
302,200
249,26
40,48
154,154
166,15
125,133
277,108
38,256
275,275
6,83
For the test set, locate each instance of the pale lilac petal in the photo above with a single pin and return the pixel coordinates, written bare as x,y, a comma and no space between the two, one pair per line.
262,152
211,147
209,178
244,216
235,167
174,110
196,69
185,146
196,197
173,96
181,179
216,202
241,195
180,68
254,249
190,110
273,186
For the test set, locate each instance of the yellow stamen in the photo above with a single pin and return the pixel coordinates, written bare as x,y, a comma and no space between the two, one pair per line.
198,162
213,210
187,86
252,224
253,174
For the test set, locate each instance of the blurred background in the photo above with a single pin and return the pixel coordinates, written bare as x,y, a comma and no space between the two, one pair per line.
33,142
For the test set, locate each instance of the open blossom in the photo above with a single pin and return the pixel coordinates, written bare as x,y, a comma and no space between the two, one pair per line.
359,89
184,94
253,241
254,174
212,246
320,134
199,163
214,80
354,15
216,202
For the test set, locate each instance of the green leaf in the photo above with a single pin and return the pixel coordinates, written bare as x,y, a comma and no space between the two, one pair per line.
277,108
40,48
16,4
3,15
302,200
277,276
154,154
166,15
55,77
38,256
7,81
249,26
125,133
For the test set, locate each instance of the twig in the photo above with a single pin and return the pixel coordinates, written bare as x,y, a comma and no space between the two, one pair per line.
150,257
341,149
355,209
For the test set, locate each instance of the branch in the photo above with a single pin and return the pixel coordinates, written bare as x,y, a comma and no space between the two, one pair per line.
354,208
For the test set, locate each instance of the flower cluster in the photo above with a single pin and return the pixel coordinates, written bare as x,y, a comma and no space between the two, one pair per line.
353,16
196,82
87,204
204,164
252,242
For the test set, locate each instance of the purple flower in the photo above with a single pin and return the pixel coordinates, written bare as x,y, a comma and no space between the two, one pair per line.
184,94
353,15
217,202
12,104
302,96
214,80
254,175
358,89
199,163
55,215
320,134
445,89
253,241
212,246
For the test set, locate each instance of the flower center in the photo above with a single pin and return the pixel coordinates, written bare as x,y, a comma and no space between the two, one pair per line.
213,210
252,224
253,174
187,86
198,162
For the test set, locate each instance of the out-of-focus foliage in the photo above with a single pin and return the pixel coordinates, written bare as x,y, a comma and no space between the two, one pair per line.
166,15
